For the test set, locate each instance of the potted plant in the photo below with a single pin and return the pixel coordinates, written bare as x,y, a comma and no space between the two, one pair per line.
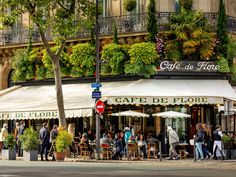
10,152
30,142
129,6
63,141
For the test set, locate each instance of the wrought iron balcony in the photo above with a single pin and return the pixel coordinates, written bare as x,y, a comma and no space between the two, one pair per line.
125,24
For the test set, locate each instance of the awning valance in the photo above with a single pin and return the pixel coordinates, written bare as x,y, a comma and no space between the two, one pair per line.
171,92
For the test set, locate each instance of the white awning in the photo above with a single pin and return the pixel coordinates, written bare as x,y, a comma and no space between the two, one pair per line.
171,92
39,102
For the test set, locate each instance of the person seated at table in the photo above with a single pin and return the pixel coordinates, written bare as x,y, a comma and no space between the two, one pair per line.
85,140
151,138
118,149
104,139
142,146
90,135
110,137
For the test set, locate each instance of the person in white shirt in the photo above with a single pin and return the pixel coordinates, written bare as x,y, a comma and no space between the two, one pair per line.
217,147
173,141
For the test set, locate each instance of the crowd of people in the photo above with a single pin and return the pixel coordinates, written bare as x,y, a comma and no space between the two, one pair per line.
118,141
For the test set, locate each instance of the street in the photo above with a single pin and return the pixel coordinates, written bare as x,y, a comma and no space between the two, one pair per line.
114,169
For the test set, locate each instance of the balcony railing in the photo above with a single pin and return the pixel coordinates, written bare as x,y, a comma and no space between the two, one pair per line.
125,24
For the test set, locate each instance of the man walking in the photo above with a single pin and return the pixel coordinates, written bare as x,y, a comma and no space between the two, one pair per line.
44,141
217,147
173,141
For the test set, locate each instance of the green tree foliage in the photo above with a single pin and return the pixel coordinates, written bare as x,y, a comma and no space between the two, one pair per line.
60,17
152,21
25,64
143,59
83,60
115,39
231,57
64,63
222,35
224,66
114,57
189,37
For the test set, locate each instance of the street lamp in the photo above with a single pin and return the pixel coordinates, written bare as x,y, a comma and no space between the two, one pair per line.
97,82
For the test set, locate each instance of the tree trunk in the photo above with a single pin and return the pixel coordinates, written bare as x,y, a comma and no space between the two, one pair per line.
59,93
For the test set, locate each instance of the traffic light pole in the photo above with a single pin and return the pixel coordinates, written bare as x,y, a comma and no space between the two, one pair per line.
97,81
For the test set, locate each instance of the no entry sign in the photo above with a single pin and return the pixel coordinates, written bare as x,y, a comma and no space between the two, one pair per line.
99,106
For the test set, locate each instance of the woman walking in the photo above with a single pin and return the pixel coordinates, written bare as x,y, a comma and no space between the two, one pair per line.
207,141
199,141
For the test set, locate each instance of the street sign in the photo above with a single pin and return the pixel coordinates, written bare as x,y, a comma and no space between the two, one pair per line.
96,94
99,106
96,85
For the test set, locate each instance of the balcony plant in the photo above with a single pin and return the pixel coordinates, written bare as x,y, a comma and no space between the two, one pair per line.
83,60
143,59
63,141
30,142
223,65
130,5
9,153
114,57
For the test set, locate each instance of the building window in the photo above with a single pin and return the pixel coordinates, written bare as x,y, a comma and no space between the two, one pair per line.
177,6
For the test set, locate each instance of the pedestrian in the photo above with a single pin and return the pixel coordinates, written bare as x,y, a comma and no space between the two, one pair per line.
199,141
3,134
44,141
207,141
21,132
217,146
15,133
127,136
173,142
52,140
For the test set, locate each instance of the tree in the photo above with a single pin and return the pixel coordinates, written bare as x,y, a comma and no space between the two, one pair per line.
152,21
115,39
58,17
222,35
189,37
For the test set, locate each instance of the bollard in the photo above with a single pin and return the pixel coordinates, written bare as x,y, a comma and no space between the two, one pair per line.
160,151
194,148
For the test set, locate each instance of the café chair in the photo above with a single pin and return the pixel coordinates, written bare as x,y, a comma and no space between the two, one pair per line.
105,151
151,150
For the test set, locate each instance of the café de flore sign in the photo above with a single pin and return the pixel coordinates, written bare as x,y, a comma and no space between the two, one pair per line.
29,115
122,100
188,66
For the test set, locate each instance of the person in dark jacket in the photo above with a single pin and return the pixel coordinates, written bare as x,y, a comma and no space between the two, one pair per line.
199,141
21,132
44,141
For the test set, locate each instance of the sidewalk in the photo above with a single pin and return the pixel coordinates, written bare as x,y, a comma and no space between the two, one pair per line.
146,161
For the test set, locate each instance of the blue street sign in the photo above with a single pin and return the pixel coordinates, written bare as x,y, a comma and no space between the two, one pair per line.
96,94
96,85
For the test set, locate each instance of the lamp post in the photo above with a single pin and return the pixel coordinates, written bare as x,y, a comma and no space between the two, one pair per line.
98,82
